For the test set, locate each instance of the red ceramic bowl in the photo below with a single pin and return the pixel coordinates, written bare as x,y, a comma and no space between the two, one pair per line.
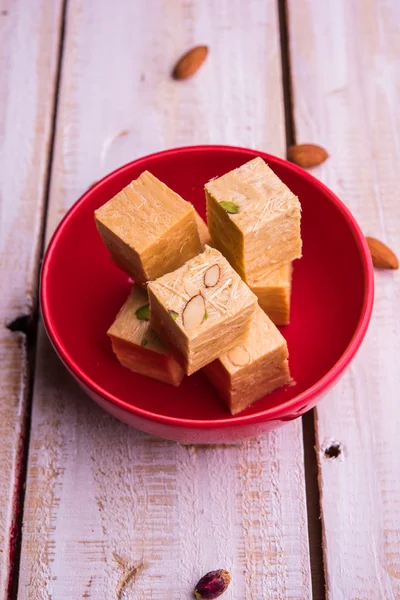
82,290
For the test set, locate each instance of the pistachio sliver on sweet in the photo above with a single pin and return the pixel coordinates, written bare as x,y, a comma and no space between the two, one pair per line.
143,313
230,207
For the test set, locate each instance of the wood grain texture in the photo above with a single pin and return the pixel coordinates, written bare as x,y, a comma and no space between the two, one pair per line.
346,83
111,512
29,36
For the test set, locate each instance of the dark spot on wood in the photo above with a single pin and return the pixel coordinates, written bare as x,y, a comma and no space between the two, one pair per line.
86,593
4,13
22,324
142,77
333,451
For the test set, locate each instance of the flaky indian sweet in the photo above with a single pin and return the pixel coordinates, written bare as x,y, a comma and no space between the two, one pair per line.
204,234
136,344
274,292
148,229
254,219
202,309
252,368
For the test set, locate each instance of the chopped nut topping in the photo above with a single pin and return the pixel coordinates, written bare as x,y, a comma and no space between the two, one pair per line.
212,275
143,313
194,312
239,356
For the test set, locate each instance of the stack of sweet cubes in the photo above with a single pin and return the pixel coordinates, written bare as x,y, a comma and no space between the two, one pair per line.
206,297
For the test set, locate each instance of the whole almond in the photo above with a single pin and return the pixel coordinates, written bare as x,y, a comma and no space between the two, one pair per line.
190,62
382,256
307,155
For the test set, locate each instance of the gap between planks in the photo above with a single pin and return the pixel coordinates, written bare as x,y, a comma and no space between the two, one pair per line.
308,420
29,327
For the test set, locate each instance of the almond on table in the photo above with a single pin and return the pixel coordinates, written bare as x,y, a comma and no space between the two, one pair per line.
137,346
202,309
254,219
253,368
274,293
190,62
382,256
148,229
307,155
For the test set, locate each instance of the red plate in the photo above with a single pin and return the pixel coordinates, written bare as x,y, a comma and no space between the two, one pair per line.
82,290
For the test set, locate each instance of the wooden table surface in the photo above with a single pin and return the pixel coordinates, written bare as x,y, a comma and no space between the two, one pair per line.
90,508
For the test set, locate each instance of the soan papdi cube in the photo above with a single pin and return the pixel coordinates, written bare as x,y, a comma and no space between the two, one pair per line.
204,234
148,229
137,346
202,309
274,292
251,369
254,219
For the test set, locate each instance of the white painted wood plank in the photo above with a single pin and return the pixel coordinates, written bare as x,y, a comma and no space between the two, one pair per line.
346,80
29,34
102,499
